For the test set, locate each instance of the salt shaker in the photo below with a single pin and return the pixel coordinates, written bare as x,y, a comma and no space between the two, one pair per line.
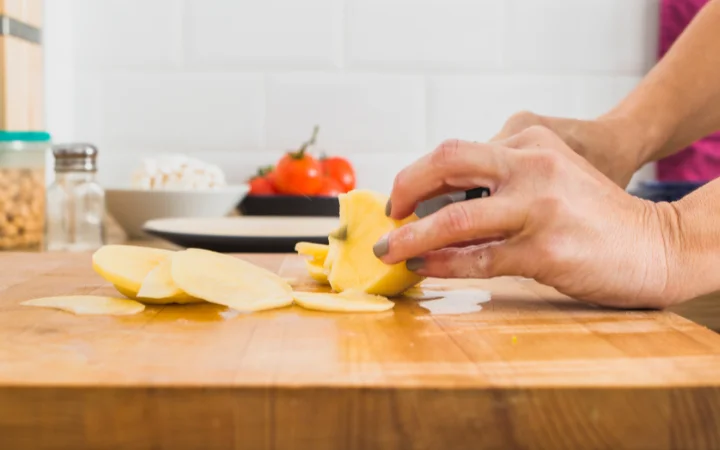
75,217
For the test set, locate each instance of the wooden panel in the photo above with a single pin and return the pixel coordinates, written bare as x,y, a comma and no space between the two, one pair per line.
12,8
33,12
22,98
27,11
531,369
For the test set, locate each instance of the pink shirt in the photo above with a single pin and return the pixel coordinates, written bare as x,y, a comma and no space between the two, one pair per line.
701,160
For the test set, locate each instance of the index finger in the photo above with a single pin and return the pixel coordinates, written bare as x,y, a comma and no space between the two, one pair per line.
488,219
454,165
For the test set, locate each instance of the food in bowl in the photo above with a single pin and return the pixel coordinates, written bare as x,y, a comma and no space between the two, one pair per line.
176,171
172,185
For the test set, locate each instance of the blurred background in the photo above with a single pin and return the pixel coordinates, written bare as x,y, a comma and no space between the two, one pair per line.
238,82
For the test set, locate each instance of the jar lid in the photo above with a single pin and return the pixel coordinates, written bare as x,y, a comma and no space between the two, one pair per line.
78,157
26,136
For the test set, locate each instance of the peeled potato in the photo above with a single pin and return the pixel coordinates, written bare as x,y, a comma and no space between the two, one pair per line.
226,280
159,288
89,305
126,266
350,262
317,252
348,301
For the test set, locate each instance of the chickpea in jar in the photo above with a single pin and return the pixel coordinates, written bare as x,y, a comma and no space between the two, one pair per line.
22,196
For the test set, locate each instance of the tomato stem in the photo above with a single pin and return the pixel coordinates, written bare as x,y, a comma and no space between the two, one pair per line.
300,154
262,171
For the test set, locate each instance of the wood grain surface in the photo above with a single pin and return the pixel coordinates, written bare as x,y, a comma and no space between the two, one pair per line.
529,369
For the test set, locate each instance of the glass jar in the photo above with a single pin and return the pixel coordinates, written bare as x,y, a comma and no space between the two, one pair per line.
75,201
23,157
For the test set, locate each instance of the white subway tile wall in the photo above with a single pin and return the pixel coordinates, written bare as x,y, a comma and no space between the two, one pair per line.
237,82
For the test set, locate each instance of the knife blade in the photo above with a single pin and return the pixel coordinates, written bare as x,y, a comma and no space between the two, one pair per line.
430,206
433,205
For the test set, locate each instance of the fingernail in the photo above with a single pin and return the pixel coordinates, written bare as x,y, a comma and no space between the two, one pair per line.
414,264
388,208
381,247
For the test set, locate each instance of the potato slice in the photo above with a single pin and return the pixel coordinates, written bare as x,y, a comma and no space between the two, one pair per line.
226,280
351,263
89,305
126,266
317,252
159,288
348,301
126,292
316,271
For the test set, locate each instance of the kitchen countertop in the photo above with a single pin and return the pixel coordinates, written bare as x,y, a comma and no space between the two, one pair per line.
529,369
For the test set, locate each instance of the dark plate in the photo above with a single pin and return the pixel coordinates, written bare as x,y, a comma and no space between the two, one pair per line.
663,191
243,234
289,205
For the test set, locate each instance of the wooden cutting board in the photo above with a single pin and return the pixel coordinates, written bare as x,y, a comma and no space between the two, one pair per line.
528,369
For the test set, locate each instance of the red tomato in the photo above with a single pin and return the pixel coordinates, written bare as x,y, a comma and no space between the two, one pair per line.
261,186
341,170
330,188
272,178
298,173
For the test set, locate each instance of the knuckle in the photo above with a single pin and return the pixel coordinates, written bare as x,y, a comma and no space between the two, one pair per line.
446,154
536,133
456,219
540,130
549,163
523,119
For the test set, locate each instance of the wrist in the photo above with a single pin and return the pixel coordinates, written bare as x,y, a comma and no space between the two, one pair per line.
668,238
648,118
638,140
696,244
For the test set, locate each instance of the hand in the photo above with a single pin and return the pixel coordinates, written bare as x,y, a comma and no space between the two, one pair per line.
551,216
613,145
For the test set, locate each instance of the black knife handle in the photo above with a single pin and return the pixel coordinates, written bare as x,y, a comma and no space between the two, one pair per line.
480,192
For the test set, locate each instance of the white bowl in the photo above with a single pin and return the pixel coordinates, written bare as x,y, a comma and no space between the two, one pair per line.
131,208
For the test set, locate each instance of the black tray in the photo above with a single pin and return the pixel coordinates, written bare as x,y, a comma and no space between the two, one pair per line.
289,205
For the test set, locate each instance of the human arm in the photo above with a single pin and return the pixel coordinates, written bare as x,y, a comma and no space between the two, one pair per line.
554,218
677,103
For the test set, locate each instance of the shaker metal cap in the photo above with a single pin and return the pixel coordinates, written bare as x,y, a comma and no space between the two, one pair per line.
77,157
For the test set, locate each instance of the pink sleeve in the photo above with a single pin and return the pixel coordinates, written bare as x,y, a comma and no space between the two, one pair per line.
701,160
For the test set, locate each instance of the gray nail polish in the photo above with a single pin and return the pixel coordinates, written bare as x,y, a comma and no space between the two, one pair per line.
388,208
414,264
381,247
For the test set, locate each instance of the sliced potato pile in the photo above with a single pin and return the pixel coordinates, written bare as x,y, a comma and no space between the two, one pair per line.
229,281
158,286
361,281
126,266
89,305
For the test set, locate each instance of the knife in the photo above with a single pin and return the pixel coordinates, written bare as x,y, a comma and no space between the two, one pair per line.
427,207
